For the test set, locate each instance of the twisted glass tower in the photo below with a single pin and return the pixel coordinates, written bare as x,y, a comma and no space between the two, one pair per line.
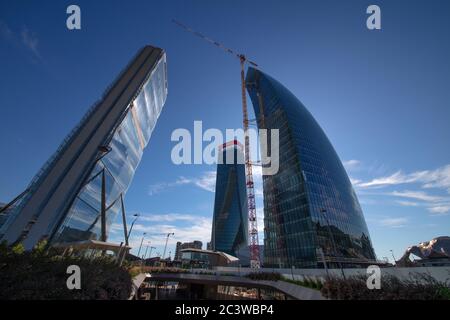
77,194
312,217
230,220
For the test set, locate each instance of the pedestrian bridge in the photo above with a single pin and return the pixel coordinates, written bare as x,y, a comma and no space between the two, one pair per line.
290,290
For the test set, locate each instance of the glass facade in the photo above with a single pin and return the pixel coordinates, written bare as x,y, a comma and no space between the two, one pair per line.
119,165
310,206
230,220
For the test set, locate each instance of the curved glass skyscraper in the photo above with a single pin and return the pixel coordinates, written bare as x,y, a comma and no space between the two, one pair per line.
311,212
78,193
230,220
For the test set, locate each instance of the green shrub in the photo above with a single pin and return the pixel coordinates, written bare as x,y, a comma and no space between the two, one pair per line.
37,275
270,276
417,287
444,292
18,248
306,282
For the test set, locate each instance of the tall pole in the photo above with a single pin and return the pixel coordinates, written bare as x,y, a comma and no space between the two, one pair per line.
253,227
131,228
150,254
320,251
167,239
103,207
124,220
145,254
392,252
142,240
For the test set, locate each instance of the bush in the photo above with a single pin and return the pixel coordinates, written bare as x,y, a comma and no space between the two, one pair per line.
270,276
417,287
306,282
38,275
136,270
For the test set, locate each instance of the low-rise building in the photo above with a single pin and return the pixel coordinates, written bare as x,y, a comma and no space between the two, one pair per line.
206,259
186,245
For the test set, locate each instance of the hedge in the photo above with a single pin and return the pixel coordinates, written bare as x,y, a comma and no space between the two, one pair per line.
37,275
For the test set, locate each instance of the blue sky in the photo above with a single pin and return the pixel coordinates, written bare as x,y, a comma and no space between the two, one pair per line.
381,97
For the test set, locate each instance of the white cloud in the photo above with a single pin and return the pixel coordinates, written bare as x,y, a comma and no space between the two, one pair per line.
198,229
116,227
441,209
394,222
169,217
5,31
407,203
162,186
26,38
396,178
207,181
438,178
30,40
418,195
260,218
351,164
432,200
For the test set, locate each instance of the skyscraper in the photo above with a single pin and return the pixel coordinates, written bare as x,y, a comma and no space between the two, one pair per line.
230,220
311,212
78,192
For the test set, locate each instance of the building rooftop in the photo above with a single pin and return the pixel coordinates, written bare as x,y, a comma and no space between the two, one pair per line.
227,256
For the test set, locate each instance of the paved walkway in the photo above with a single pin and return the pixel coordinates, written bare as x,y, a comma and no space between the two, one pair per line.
137,281
290,289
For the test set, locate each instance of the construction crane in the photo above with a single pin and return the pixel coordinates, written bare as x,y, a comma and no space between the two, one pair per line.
253,225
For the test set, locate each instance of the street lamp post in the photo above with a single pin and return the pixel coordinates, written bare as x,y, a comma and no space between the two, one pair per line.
165,247
145,254
150,254
142,240
136,215
324,211
319,250
392,252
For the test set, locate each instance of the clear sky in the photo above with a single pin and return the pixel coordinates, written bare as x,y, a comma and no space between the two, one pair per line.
382,97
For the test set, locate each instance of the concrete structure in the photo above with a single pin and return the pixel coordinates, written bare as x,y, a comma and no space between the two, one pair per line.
206,259
430,253
209,283
79,191
441,274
